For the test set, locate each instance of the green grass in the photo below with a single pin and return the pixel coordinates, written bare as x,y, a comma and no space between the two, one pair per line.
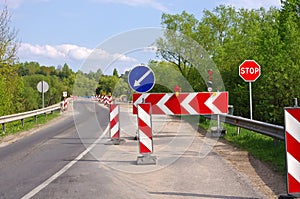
259,146
29,123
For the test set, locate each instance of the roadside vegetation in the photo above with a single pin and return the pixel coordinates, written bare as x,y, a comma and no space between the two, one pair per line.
29,123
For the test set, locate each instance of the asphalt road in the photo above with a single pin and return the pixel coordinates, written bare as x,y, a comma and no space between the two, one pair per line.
186,165
30,161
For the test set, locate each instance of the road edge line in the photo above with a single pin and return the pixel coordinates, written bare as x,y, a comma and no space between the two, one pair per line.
64,169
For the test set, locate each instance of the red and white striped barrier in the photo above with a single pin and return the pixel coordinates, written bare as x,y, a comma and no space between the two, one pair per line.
65,104
292,142
101,99
94,98
145,128
202,103
106,99
145,135
114,110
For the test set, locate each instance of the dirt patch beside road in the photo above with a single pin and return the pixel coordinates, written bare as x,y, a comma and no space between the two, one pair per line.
260,174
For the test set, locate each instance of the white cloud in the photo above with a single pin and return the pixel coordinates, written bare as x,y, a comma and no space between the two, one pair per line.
17,3
151,3
252,4
11,3
68,53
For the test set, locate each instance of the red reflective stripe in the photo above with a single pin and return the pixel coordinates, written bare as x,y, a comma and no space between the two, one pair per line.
293,146
294,185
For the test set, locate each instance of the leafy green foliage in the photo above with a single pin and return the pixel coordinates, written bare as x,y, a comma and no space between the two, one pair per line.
84,86
230,36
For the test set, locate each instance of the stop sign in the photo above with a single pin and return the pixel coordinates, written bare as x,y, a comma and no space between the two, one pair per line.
249,70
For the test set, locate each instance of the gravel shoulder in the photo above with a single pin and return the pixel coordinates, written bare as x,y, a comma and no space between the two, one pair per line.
261,175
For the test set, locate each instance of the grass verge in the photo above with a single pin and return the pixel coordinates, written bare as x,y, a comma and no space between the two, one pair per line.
29,123
259,146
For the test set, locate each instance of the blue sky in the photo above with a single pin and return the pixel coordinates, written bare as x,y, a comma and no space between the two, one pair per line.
54,32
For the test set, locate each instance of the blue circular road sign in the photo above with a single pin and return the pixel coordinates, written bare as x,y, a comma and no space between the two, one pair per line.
141,79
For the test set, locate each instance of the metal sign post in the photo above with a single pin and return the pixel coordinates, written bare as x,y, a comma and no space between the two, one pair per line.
249,71
43,87
250,97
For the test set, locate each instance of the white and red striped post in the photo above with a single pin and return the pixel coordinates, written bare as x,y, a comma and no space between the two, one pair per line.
292,143
145,134
114,123
65,104
106,100
109,100
102,99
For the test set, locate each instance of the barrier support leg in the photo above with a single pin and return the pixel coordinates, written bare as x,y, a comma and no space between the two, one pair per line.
286,197
146,159
115,141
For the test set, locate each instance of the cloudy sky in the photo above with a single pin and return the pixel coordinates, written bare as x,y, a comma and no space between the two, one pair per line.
54,32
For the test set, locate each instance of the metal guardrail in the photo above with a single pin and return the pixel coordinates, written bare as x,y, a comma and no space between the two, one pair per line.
264,128
21,116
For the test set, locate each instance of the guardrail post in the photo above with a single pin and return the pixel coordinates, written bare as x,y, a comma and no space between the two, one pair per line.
275,141
3,127
22,121
35,118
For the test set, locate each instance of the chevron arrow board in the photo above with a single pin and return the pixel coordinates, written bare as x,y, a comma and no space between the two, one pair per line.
201,103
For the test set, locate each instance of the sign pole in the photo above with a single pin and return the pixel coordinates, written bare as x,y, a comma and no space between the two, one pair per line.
43,87
43,104
250,94
249,71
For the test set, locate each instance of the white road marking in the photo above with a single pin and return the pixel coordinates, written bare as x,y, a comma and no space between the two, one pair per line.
138,82
64,169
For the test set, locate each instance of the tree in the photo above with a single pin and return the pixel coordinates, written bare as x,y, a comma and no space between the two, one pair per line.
180,47
121,88
107,84
8,39
180,31
84,86
11,84
115,73
289,20
95,75
229,35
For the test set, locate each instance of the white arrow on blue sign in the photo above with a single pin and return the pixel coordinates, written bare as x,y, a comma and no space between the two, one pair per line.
141,79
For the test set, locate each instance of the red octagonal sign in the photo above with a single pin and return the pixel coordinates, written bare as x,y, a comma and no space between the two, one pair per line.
249,70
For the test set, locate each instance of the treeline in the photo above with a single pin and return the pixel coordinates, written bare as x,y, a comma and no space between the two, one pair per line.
230,36
18,85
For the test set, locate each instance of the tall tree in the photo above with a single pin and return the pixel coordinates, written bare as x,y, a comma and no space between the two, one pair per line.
115,73
8,39
11,83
